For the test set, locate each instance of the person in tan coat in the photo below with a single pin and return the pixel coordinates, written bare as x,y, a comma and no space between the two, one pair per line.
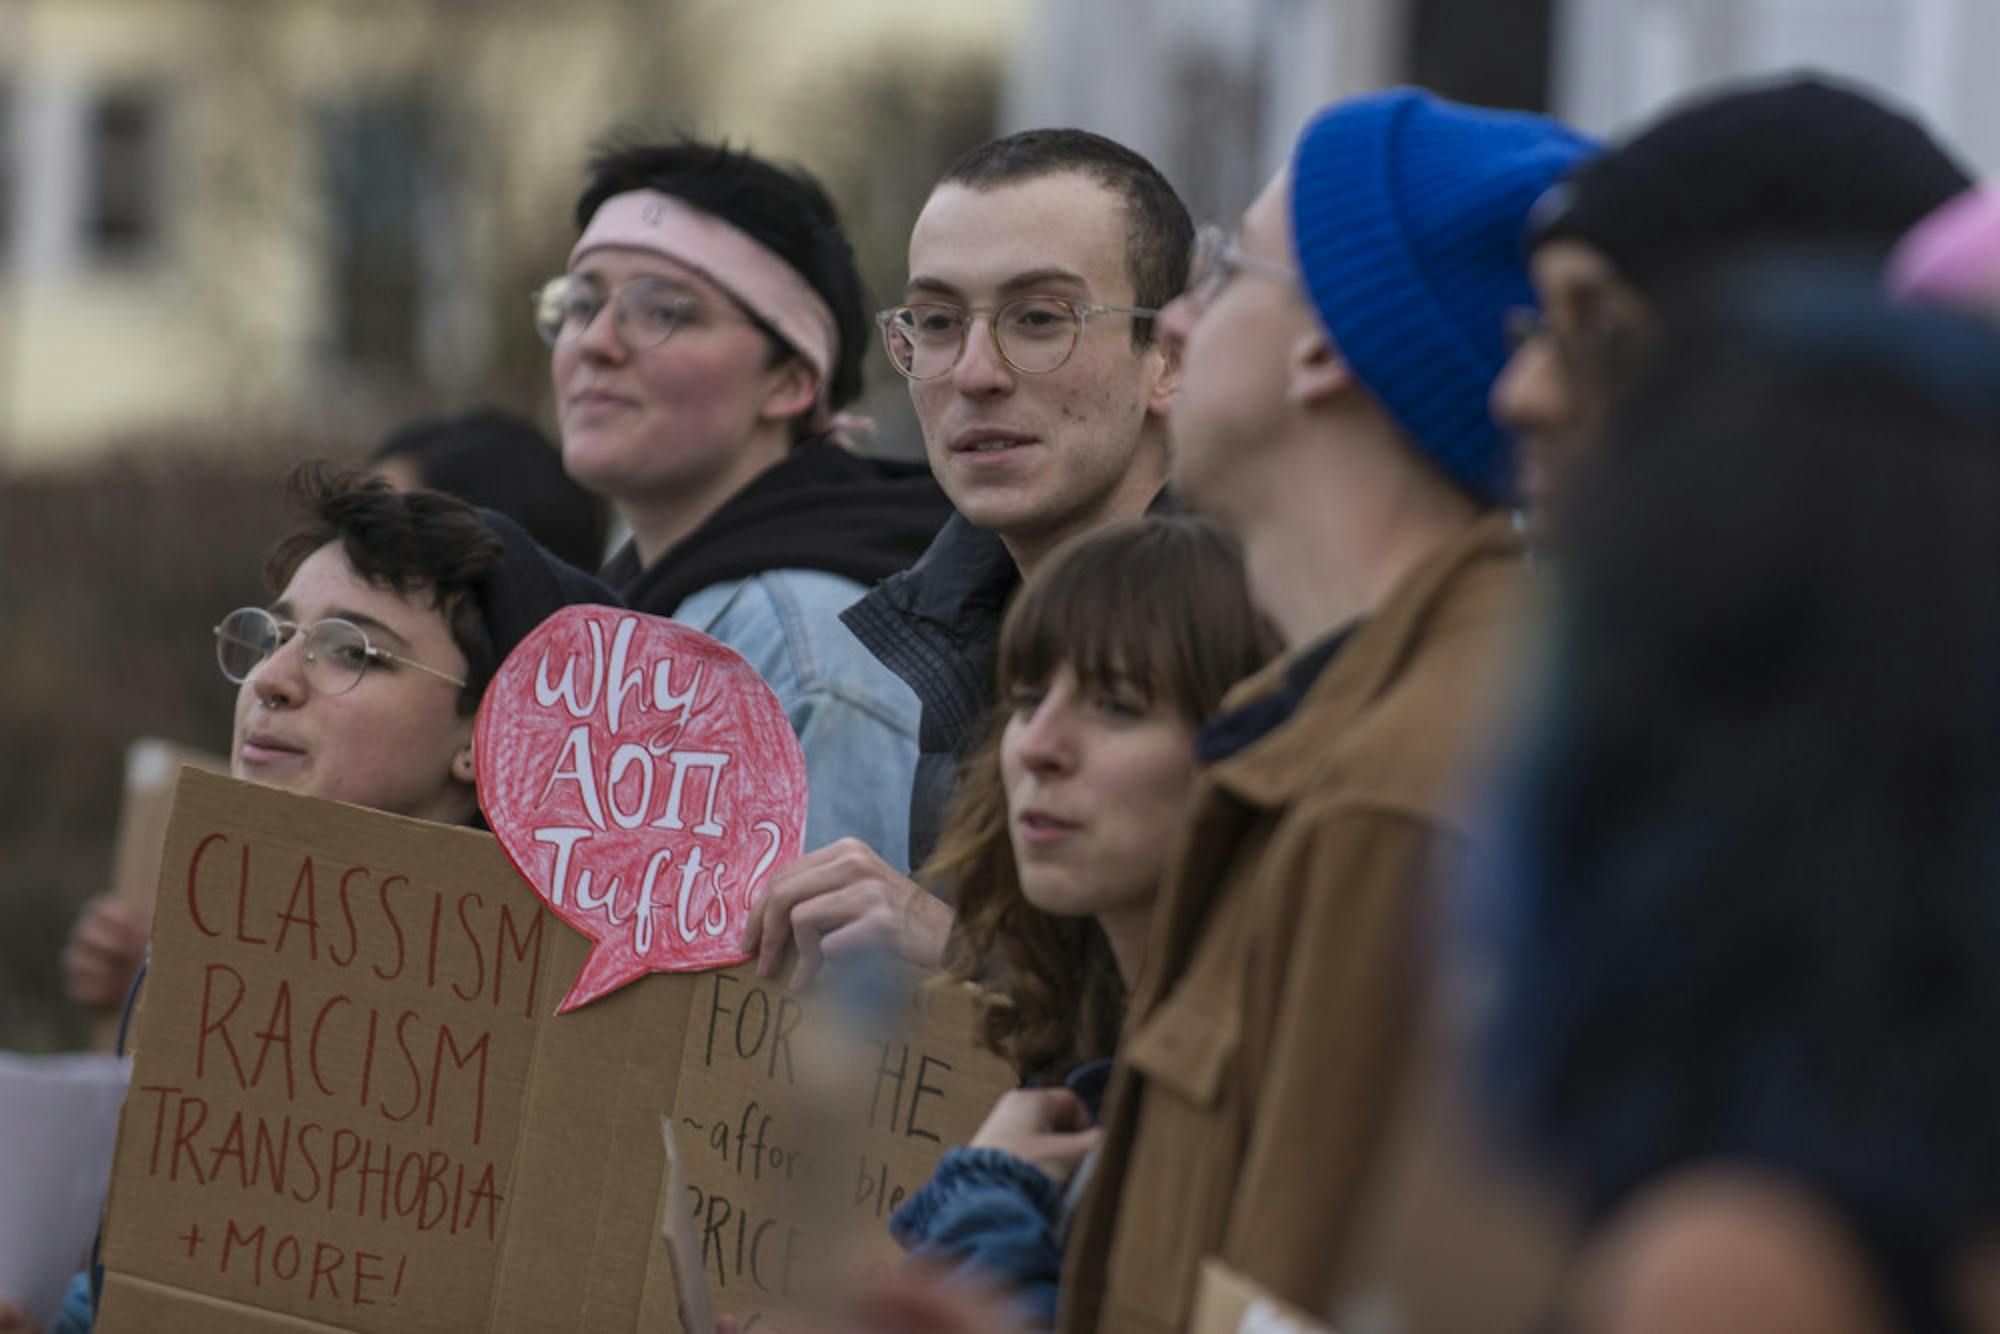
1337,357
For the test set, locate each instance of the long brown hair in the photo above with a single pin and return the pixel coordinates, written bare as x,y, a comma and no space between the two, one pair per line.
1158,605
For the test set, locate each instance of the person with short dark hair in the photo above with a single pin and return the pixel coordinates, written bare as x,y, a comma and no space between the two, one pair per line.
1158,231
1798,162
704,334
1027,336
1746,939
498,461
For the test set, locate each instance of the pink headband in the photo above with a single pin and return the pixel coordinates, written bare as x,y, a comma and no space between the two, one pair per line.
736,262
1953,256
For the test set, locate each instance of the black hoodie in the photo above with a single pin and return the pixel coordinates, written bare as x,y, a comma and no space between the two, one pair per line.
820,508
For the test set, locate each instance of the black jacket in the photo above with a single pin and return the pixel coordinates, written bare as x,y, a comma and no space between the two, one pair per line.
820,508
937,625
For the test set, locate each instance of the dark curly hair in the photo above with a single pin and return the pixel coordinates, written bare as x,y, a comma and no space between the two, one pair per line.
1160,605
411,542
503,462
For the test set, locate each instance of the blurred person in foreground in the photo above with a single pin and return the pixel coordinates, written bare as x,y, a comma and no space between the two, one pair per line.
1336,355
1748,930
911,1301
1116,649
488,459
360,681
1802,162
707,328
1027,336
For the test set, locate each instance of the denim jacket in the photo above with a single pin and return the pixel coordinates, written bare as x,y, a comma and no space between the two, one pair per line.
988,1216
856,721
937,625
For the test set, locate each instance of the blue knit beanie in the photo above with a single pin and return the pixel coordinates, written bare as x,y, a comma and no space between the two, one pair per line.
1408,212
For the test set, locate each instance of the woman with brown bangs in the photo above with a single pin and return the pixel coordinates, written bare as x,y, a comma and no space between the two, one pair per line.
1110,658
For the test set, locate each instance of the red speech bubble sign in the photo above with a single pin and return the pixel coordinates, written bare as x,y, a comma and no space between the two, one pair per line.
644,781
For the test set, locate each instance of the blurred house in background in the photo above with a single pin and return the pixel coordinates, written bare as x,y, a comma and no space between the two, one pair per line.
1214,90
228,219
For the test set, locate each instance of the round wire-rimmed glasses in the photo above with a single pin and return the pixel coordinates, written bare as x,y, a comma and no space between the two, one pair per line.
336,652
646,309
1216,260
1033,334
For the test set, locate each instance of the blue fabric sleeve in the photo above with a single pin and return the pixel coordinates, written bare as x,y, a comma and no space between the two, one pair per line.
988,1216
75,1317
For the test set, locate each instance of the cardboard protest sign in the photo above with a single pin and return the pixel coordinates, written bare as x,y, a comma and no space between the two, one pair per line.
644,780
1227,1302
151,767
350,1107
802,1126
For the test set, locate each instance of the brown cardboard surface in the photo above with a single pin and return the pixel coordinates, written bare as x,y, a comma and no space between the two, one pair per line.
1226,1302
801,1129
590,1167
351,1106
169,1310
152,766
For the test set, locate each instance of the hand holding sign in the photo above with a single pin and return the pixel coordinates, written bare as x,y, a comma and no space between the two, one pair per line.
1049,1129
644,781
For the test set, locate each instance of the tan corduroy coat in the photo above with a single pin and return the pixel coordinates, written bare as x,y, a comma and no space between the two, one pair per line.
1269,1031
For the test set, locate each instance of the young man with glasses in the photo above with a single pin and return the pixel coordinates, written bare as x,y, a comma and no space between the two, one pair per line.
1802,163
1036,268
706,330
1335,364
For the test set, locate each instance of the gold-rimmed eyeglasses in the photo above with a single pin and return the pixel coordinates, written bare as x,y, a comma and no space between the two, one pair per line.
1033,334
336,652
646,309
1216,260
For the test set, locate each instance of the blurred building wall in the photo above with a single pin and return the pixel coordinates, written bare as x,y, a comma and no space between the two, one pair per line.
241,219
1210,90
1618,61
1214,90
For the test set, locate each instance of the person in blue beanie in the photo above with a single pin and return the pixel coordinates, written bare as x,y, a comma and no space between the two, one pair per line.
1337,354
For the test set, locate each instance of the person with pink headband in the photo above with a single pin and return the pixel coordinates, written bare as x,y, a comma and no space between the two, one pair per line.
704,334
